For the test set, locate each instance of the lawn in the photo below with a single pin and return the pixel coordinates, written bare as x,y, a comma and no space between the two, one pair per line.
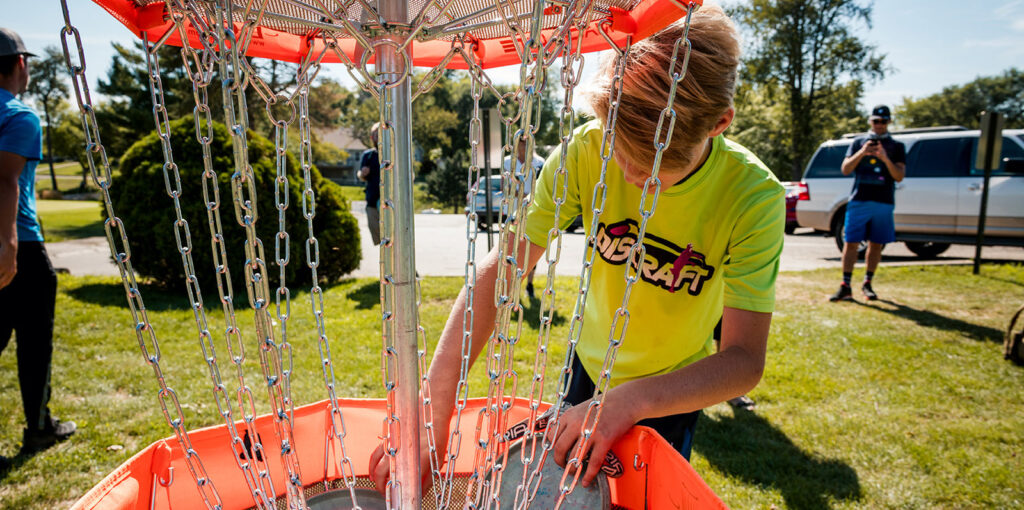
69,219
901,403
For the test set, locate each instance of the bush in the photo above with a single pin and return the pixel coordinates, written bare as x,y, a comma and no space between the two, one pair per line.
141,200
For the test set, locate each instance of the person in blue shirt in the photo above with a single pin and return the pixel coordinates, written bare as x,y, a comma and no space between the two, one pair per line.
28,284
878,162
369,172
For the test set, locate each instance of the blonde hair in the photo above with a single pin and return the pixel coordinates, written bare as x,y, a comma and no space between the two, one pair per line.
704,95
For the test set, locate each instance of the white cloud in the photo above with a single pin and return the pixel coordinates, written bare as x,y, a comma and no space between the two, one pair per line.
1017,25
1009,8
1012,43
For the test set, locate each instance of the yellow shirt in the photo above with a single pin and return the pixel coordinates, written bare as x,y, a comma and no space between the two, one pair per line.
714,240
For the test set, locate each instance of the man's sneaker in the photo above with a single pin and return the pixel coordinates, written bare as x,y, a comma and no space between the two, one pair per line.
869,292
55,432
843,294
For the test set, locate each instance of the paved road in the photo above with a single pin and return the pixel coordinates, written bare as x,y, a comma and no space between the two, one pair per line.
441,251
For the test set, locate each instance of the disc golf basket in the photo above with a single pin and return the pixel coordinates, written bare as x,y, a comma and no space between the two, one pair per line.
315,456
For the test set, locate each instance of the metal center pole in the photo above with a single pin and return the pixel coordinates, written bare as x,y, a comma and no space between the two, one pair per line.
392,64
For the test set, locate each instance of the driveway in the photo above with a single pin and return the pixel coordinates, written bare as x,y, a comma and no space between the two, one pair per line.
441,251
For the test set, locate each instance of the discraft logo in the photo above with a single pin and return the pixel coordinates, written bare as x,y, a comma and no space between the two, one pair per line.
665,264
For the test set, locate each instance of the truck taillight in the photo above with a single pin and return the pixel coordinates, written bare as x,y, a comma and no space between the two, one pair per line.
803,192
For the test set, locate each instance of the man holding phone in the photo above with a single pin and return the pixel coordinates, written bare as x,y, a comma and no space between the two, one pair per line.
878,162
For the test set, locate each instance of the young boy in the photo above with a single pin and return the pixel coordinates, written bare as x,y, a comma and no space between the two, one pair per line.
712,250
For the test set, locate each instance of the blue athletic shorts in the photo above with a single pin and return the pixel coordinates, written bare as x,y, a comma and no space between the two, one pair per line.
869,221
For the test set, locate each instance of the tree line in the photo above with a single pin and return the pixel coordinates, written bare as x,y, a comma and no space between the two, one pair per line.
801,79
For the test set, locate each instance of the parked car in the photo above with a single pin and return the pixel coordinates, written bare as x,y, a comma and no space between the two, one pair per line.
938,202
498,213
480,201
792,197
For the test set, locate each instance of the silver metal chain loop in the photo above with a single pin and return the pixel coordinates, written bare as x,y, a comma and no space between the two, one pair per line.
312,245
275,359
120,251
620,321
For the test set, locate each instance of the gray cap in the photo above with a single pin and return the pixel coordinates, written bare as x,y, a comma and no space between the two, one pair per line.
10,44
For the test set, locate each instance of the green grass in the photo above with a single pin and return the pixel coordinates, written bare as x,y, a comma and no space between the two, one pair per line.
421,199
902,403
63,220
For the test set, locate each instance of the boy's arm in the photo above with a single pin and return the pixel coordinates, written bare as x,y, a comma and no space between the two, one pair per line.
729,373
11,165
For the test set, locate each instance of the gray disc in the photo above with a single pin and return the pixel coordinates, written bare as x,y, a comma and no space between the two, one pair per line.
340,499
595,497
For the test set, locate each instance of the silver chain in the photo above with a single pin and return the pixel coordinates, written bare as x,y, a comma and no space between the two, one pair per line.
121,253
571,72
262,488
316,296
636,256
389,353
243,188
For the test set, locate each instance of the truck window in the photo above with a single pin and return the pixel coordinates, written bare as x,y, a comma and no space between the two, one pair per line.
942,157
827,162
1011,150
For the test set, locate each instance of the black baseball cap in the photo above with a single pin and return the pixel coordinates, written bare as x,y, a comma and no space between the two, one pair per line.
10,44
880,112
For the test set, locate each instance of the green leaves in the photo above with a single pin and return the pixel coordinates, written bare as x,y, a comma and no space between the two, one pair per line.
802,76
962,104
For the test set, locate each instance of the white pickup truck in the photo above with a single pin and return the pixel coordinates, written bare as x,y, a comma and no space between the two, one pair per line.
938,202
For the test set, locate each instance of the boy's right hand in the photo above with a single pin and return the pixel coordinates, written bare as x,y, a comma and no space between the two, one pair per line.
380,469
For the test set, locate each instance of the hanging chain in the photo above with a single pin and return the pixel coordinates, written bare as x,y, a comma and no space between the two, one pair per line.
620,322
262,489
121,253
389,352
597,204
243,188
316,296
571,73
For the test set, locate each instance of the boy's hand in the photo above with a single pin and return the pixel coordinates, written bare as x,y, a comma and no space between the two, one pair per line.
380,470
617,416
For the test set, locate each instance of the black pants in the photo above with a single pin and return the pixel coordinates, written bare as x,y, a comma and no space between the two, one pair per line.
26,309
677,429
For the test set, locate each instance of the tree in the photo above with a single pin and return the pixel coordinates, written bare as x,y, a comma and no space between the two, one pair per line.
128,113
962,104
805,55
67,138
46,84
447,183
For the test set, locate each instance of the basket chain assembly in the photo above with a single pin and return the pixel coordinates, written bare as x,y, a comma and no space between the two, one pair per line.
225,31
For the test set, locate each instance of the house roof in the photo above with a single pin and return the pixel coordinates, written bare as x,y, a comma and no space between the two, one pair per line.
341,137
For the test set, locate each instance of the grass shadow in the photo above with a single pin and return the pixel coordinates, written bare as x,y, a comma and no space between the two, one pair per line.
65,233
531,313
366,296
155,297
747,447
933,320
9,464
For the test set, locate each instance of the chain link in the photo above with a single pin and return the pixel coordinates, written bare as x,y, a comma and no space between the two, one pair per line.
620,321
312,246
120,251
275,358
571,71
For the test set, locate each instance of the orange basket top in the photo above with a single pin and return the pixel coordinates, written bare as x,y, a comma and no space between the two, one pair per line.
289,27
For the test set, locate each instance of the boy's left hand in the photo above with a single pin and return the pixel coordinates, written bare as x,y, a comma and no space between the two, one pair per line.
616,418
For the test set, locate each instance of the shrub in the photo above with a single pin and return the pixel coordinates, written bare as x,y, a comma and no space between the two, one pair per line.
141,200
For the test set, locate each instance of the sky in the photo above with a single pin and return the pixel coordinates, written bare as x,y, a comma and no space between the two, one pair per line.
930,44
